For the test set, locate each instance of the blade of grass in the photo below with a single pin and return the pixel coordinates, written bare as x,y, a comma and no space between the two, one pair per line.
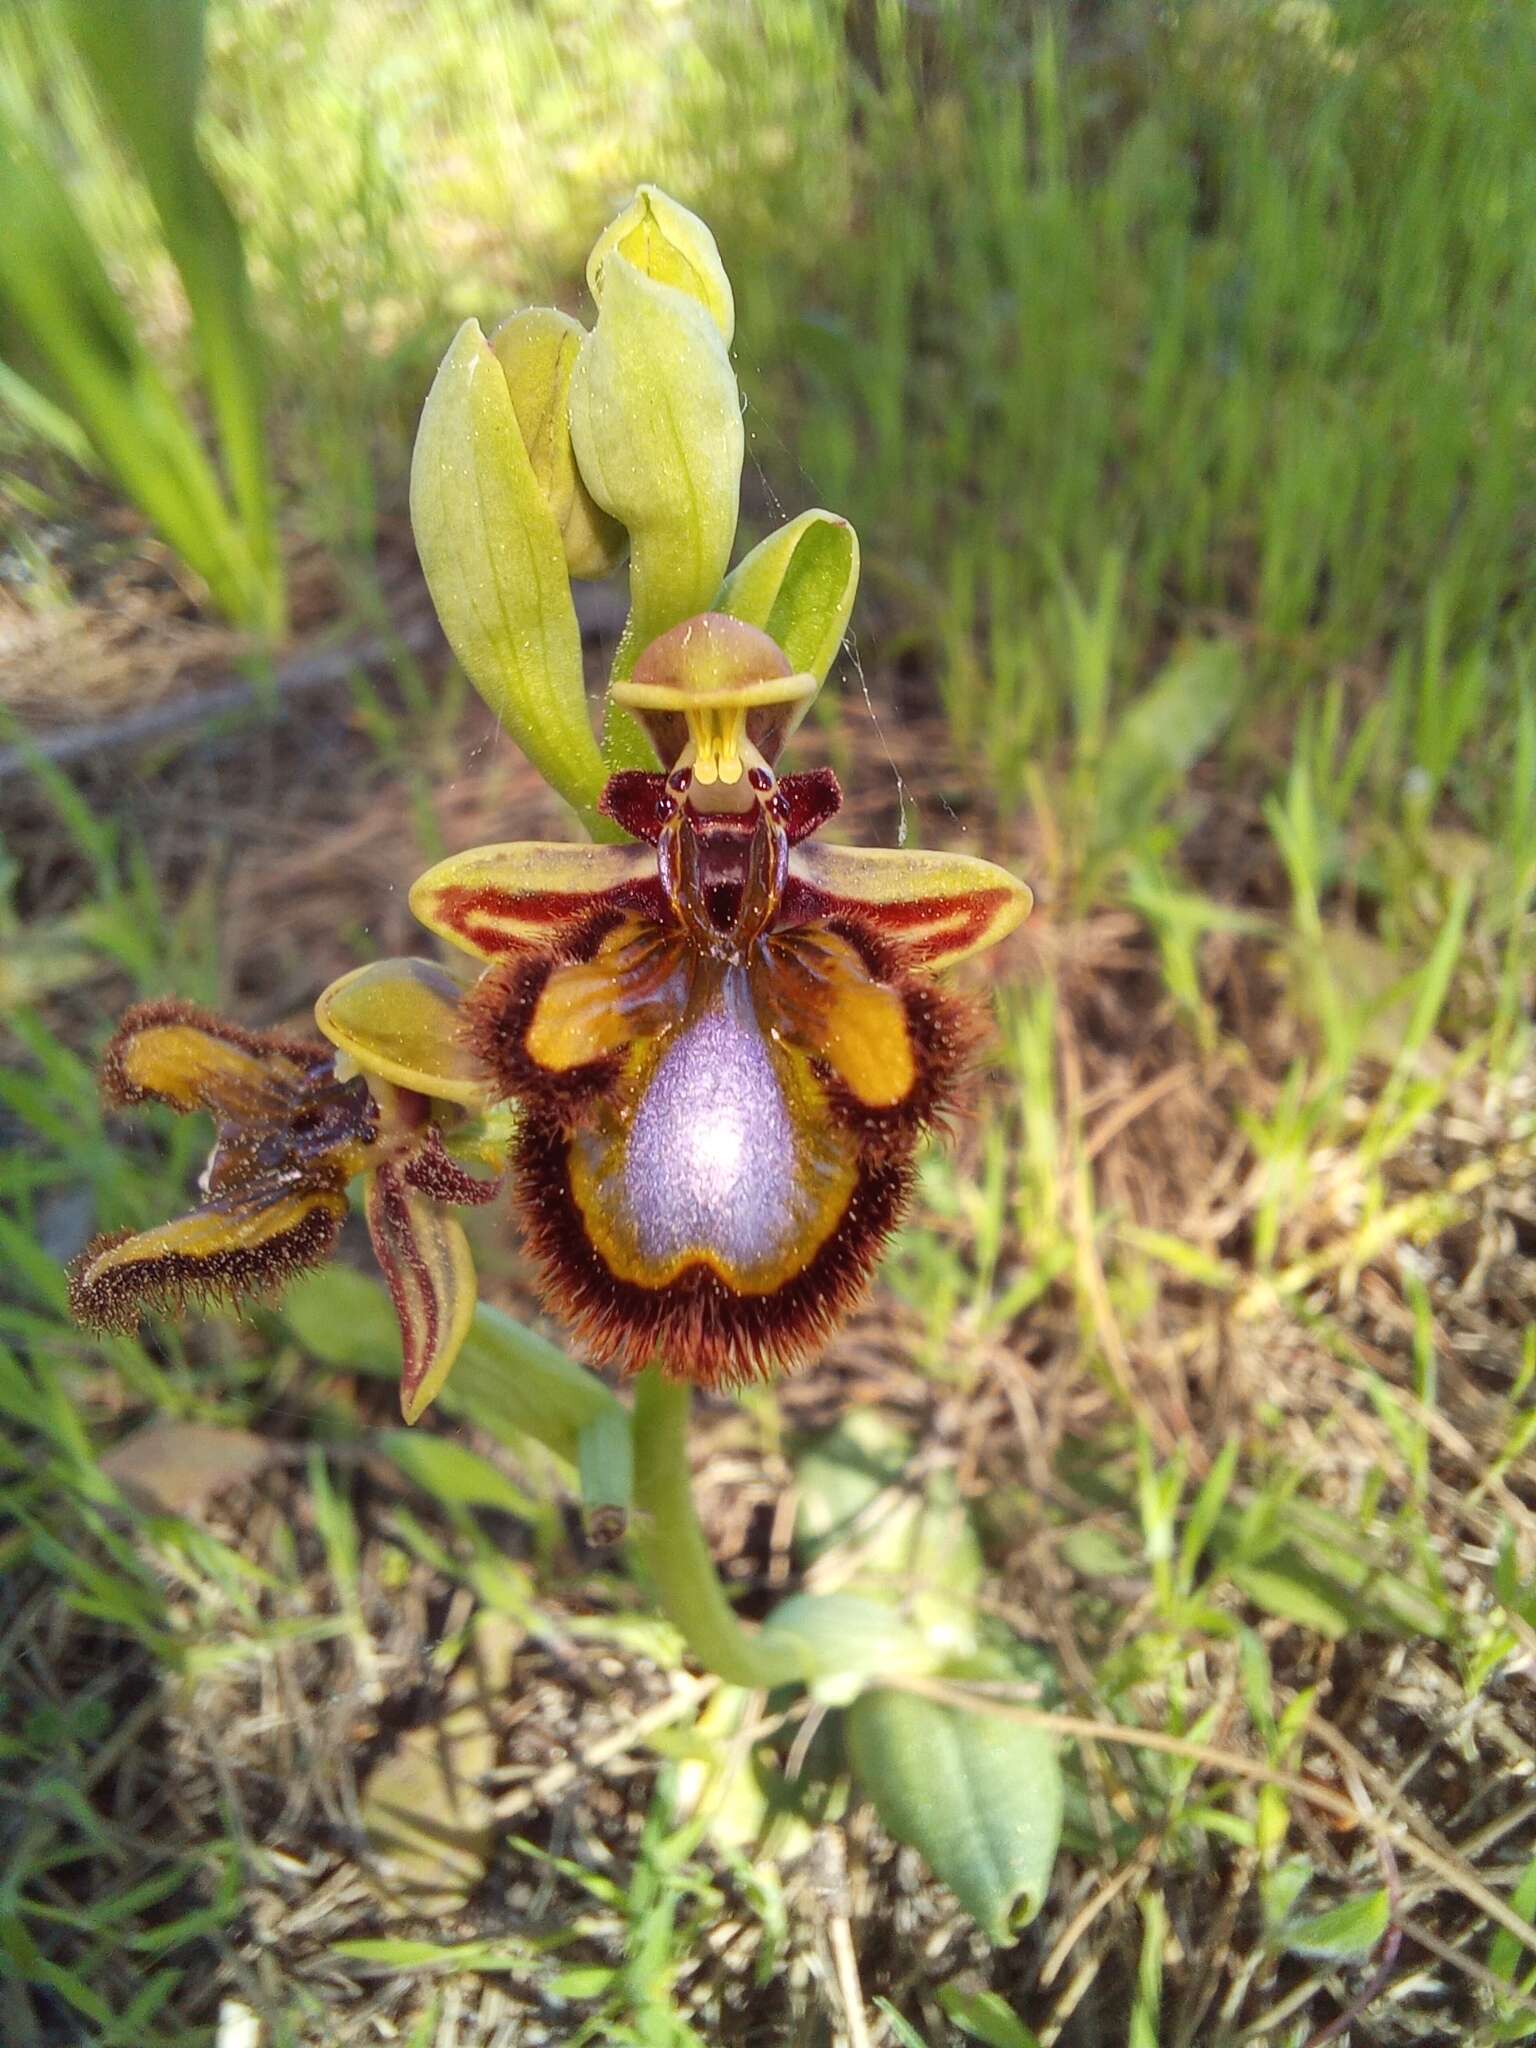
145,61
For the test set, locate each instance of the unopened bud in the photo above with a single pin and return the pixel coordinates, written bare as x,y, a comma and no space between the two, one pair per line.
494,563
656,423
672,246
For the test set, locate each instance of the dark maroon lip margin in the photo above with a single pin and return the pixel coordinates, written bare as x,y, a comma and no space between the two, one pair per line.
696,1325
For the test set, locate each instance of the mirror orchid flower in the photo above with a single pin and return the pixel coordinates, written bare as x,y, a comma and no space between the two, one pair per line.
699,1052
705,1057
724,1039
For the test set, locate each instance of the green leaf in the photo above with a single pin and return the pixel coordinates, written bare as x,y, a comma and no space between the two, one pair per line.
344,1319
1296,1596
1329,1567
656,422
40,416
1185,1259
839,1476
1352,1929
1098,1554
1280,1887
145,60
1206,1510
986,2017
902,2031
1507,1956
977,1795
1158,739
1147,1999
798,586
847,1639
428,1955
454,1474
56,288
605,1464
918,1545
531,1385
508,1380
494,562
589,1981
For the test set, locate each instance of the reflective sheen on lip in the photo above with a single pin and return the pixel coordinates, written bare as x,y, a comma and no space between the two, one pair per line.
709,1162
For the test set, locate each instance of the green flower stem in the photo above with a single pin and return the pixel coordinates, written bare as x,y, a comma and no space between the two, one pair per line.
677,1557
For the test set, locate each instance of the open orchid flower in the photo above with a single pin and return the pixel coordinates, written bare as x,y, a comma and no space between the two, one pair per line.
725,1041
295,1123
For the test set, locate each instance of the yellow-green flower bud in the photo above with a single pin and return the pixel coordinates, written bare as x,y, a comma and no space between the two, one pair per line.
495,565
656,423
667,243
537,349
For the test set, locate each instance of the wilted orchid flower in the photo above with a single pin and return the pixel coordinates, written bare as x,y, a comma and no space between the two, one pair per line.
295,1123
725,1041
289,1136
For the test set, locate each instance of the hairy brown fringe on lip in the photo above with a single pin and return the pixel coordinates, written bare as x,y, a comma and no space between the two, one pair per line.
701,1328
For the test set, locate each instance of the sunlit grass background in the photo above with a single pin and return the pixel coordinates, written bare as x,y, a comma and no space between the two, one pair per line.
1176,367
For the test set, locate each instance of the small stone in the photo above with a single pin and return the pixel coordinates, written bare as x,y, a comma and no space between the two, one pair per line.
175,1468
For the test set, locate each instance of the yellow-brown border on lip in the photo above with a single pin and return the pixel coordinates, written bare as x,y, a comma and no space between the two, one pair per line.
218,1253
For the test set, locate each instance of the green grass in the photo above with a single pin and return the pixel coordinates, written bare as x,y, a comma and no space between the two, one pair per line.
1175,369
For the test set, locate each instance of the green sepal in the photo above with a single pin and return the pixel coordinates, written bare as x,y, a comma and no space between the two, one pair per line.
495,565
978,1796
798,585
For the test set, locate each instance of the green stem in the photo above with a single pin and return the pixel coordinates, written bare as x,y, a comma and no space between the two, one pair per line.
676,1555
